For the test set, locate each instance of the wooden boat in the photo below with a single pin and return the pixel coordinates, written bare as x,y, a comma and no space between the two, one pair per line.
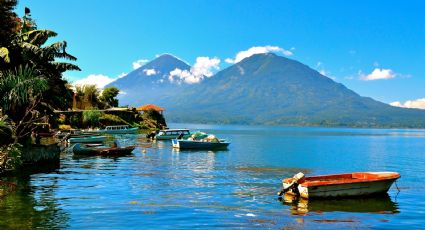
87,139
80,149
339,185
200,144
118,129
169,134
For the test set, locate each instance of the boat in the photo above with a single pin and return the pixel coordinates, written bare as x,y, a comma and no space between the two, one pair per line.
90,150
339,185
169,134
118,129
87,139
210,142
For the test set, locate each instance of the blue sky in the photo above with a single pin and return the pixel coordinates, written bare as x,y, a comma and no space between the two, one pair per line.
349,41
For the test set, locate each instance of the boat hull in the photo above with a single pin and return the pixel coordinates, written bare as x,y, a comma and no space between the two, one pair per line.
170,137
359,184
79,149
187,144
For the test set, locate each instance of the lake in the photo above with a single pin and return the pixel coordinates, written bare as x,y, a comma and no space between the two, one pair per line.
158,187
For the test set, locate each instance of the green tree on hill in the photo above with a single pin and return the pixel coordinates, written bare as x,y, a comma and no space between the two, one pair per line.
108,97
87,96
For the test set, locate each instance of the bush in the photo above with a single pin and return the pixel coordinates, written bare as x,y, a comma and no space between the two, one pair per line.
109,119
152,119
91,118
10,157
75,120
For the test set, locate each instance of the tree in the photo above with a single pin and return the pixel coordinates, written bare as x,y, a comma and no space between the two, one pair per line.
21,93
8,27
87,96
9,22
109,95
27,47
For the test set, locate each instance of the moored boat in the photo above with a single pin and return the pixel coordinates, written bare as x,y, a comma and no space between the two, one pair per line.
118,129
169,134
339,185
87,139
200,144
80,149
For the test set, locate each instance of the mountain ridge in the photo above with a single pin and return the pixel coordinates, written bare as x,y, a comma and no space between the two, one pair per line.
274,90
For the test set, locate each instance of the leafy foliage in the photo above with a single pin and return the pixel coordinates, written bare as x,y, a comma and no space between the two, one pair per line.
87,96
109,95
152,119
20,86
110,119
9,22
21,93
10,157
31,80
91,118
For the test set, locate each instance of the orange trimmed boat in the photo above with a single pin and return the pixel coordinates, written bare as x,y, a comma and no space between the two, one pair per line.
339,185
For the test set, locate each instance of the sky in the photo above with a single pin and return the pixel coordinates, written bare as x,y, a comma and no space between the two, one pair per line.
376,48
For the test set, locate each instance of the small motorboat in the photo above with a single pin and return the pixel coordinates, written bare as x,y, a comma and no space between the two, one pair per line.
200,144
169,134
119,129
339,185
93,149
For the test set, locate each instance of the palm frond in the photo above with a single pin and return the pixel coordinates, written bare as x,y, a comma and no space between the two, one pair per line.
19,86
63,66
39,37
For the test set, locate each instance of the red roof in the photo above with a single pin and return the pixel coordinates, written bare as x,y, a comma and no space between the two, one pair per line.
149,107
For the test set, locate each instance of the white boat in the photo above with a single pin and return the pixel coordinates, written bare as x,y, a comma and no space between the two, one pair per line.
169,134
200,144
118,129
339,185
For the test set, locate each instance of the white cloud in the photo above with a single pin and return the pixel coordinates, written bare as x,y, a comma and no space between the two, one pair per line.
139,63
122,75
258,50
95,79
179,76
203,67
229,60
323,72
417,104
378,74
149,72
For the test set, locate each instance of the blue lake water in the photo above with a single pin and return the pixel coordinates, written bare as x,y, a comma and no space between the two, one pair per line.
158,187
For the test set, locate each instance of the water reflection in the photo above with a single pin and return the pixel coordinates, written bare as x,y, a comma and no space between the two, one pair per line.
380,204
32,208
